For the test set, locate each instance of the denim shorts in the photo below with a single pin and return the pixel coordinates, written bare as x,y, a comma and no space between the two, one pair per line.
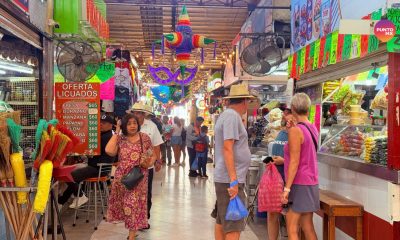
176,140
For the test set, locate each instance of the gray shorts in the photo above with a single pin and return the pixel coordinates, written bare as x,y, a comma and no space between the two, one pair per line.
304,198
221,190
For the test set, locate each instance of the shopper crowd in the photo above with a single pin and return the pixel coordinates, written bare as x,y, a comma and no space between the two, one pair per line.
141,143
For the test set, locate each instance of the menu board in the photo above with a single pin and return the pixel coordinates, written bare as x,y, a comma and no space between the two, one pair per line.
78,108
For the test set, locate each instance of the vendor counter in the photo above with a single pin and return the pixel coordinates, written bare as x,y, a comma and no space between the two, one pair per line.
365,183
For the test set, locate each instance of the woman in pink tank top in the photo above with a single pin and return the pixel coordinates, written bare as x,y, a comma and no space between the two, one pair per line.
301,192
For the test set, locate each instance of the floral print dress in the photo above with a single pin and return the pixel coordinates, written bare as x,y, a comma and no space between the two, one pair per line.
129,206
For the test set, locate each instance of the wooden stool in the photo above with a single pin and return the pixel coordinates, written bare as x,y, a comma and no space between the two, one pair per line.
334,205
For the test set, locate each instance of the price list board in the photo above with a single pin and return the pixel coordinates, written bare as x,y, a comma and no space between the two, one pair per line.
78,108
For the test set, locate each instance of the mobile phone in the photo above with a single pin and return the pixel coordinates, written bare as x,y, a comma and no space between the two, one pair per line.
268,160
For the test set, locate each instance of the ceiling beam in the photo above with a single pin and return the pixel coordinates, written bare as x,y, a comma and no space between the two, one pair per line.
191,11
239,4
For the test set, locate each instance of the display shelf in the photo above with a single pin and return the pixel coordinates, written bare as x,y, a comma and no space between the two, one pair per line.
360,166
21,103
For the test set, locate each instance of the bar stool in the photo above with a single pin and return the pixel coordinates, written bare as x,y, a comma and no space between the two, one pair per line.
95,186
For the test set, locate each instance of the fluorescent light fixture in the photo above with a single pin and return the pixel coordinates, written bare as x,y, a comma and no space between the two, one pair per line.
15,67
2,72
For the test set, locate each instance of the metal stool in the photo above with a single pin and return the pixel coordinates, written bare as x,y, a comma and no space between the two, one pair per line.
93,187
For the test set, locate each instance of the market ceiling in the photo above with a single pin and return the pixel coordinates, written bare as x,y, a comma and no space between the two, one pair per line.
137,23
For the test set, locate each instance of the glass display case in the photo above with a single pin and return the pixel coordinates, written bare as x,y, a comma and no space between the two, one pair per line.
364,143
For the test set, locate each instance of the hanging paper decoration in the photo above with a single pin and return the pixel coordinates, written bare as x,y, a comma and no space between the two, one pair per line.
172,77
200,104
161,93
105,71
107,89
177,93
183,41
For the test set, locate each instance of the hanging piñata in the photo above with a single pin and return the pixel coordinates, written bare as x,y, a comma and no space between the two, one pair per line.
183,42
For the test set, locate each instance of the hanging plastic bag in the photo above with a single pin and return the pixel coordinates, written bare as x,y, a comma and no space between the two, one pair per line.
270,190
236,209
195,164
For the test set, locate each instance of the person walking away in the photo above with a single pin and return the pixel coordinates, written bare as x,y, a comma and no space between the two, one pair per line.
134,149
277,156
232,160
183,146
167,129
176,140
201,148
140,111
301,192
192,132
91,170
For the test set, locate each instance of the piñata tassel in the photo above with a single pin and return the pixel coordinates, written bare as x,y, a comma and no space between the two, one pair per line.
202,55
162,44
153,47
215,49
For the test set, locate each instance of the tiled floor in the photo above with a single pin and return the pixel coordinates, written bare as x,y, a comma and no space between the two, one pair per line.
181,211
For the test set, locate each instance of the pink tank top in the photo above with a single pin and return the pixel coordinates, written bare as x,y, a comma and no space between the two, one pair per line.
307,173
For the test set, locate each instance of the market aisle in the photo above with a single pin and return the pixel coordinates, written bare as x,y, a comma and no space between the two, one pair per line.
181,210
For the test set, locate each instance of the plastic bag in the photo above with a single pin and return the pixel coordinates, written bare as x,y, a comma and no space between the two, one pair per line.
380,100
270,190
195,164
236,209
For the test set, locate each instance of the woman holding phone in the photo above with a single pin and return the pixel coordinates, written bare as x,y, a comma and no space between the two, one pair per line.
134,149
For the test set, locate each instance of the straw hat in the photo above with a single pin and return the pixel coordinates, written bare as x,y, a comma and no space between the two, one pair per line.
140,107
239,91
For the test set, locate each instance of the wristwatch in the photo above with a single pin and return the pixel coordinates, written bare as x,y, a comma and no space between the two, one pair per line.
286,189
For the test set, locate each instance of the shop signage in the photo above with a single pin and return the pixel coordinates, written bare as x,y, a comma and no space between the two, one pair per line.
22,4
331,49
78,108
393,15
384,30
313,19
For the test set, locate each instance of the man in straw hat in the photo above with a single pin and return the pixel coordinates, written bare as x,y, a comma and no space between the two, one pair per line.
232,160
141,111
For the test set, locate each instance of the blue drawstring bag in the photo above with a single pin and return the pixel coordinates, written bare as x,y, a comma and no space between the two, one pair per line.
236,209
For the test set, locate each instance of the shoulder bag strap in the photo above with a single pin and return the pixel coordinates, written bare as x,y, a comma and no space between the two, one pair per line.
141,141
312,135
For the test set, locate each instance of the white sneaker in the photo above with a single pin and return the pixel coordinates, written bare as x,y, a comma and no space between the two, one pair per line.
81,200
183,164
175,165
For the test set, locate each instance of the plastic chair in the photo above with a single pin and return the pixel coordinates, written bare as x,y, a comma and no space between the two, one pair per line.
93,186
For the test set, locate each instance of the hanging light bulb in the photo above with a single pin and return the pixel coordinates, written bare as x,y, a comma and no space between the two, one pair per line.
233,52
137,55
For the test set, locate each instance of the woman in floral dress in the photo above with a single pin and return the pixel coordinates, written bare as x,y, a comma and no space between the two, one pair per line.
133,148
